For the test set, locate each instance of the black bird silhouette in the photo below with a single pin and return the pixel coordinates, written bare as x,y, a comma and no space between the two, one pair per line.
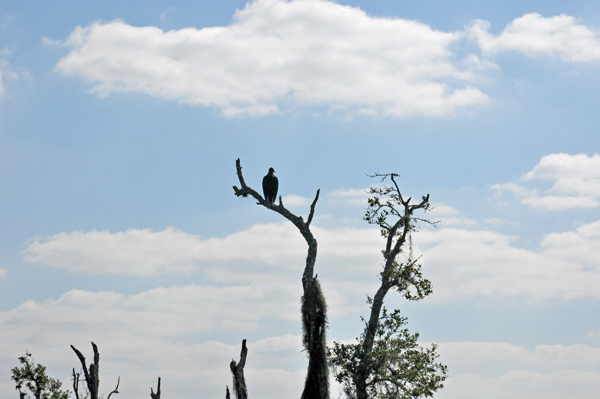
270,186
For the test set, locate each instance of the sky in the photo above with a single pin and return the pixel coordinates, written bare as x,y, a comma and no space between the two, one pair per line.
120,124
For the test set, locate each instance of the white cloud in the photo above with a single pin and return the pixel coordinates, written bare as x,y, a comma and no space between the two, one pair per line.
535,35
448,216
280,54
576,182
292,200
351,196
2,273
462,264
136,252
166,313
502,370
278,247
593,333
163,14
142,337
572,174
443,210
158,333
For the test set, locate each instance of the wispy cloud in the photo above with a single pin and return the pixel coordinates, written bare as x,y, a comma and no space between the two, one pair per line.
504,370
576,182
351,196
163,14
534,35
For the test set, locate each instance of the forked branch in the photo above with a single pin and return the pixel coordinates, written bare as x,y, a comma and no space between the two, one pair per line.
314,308
246,190
237,369
157,394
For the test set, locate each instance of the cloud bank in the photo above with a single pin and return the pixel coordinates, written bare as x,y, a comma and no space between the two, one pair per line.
143,336
462,263
502,370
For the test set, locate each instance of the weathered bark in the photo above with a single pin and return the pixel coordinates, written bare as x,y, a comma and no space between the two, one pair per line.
237,369
314,320
92,377
157,394
314,309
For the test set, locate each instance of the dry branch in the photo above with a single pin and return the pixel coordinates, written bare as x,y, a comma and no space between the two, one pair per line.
157,394
237,369
314,309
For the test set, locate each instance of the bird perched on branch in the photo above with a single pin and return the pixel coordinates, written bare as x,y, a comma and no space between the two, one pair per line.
270,186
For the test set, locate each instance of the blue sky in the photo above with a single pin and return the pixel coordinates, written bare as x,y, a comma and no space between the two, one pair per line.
120,124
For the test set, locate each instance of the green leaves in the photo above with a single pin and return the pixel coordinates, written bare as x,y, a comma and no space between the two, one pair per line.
386,361
33,377
397,367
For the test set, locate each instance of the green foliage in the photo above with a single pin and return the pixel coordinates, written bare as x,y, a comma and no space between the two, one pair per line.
33,377
397,367
386,361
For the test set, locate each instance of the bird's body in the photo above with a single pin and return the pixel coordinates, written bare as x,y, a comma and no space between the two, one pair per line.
270,185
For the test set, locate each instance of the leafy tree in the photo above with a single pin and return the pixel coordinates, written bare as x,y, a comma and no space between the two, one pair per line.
386,361
33,377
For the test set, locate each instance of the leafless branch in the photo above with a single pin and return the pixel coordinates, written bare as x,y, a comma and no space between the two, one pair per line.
246,190
237,369
76,383
116,390
312,208
314,314
91,376
157,394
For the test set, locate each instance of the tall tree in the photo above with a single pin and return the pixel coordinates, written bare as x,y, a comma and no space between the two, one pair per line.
314,309
33,377
386,361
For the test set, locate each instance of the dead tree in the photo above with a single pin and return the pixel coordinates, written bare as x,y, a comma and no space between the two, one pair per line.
157,394
314,309
237,369
92,377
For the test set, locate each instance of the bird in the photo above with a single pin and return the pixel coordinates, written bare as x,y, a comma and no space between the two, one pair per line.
270,186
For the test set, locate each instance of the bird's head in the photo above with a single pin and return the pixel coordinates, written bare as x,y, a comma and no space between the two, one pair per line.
271,171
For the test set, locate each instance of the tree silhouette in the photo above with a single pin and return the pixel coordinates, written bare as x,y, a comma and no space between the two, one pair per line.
314,309
386,361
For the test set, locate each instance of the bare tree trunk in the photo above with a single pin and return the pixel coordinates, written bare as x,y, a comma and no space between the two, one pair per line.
314,320
157,394
237,369
314,309
92,378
